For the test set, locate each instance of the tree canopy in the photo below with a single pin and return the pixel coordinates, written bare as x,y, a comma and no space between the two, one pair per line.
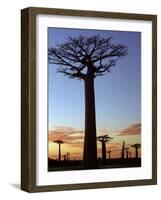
79,55
104,138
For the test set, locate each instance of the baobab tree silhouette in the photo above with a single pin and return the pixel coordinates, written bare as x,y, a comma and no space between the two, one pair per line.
104,139
136,146
123,150
68,156
65,157
109,154
130,154
127,152
86,58
59,142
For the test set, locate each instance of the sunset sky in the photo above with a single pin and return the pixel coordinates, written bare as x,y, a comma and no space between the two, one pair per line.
117,96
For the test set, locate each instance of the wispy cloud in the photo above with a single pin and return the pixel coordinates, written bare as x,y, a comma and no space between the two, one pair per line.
70,135
67,134
65,129
133,129
103,132
74,139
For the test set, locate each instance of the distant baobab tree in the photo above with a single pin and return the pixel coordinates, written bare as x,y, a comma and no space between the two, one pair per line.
136,146
130,154
127,152
68,156
104,139
59,142
65,157
109,154
123,150
86,58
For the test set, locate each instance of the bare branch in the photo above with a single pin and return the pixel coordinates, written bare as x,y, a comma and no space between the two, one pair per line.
78,55
117,51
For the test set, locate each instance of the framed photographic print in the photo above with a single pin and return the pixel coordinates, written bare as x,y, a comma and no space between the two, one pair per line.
89,99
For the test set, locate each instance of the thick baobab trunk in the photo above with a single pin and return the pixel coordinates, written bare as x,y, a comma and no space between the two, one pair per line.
103,151
59,152
136,152
90,145
123,150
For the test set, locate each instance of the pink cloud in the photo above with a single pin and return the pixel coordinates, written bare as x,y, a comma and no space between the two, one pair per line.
133,129
67,134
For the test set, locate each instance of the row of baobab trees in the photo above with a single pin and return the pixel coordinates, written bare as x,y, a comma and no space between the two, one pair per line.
104,139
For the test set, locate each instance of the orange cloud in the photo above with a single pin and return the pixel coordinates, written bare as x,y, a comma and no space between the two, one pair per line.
74,138
73,141
67,134
133,129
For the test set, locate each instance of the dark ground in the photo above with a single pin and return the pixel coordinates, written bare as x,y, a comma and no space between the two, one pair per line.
64,165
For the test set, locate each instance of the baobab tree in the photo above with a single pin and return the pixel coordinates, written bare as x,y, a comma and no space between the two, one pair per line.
127,152
136,146
65,157
68,156
86,58
109,154
130,154
123,150
59,142
104,139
